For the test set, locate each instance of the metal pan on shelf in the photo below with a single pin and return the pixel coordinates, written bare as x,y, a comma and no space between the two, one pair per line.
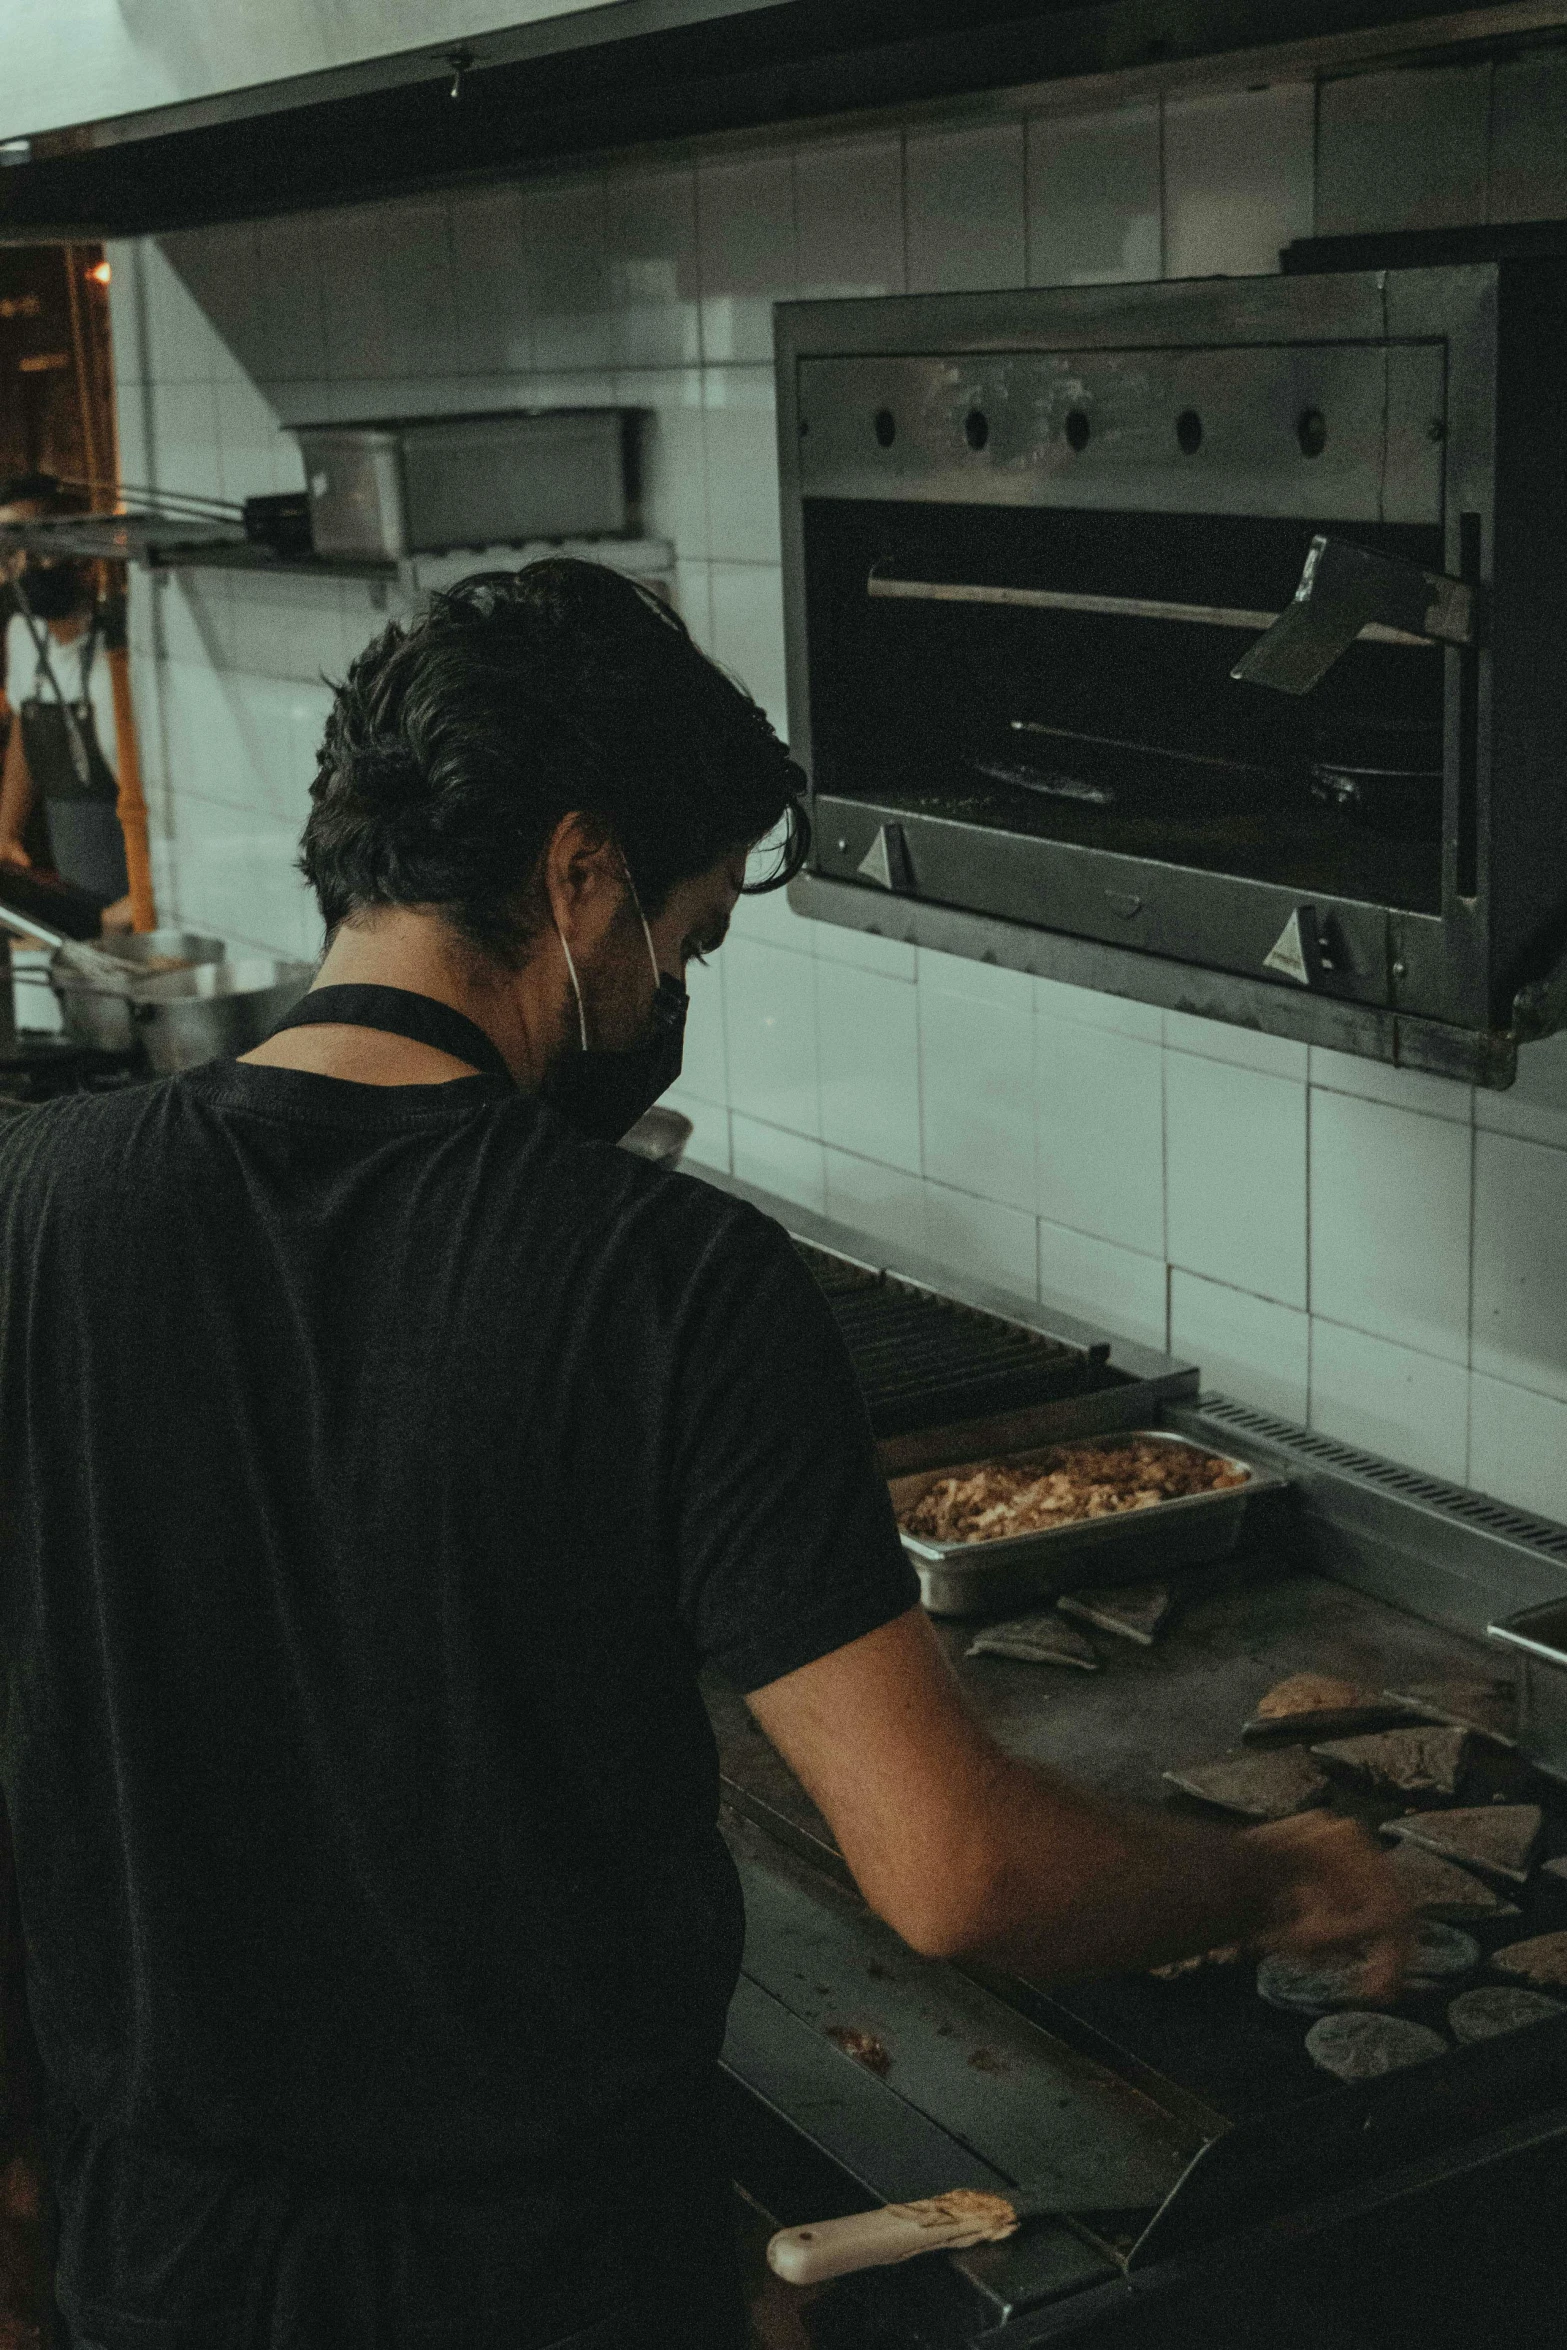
1127,1546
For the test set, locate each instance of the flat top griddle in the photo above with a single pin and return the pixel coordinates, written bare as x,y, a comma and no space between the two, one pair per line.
1207,2042
925,1361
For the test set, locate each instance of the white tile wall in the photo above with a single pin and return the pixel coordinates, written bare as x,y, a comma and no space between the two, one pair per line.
1390,1399
867,1031
1093,197
1520,1263
848,200
1299,1223
1402,150
965,212
1390,1210
1247,1345
1235,1159
1100,1117
1237,179
977,1090
749,253
1100,1283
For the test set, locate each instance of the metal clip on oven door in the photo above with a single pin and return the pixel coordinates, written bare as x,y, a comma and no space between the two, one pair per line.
886,862
1346,592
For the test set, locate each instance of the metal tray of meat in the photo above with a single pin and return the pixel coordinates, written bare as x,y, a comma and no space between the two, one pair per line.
1127,1546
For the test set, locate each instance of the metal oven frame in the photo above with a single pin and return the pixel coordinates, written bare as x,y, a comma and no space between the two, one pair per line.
1470,364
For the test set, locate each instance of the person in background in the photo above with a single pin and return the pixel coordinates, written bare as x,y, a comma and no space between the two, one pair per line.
58,790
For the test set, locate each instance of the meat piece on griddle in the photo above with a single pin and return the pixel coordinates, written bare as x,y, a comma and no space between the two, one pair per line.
1136,1613
1497,1836
1440,1889
1314,1705
1483,1703
1411,1762
1038,1640
1257,1786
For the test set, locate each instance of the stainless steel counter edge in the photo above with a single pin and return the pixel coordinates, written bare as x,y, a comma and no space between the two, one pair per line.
1438,1551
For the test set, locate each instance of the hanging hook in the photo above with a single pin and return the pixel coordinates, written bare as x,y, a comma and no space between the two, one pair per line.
461,62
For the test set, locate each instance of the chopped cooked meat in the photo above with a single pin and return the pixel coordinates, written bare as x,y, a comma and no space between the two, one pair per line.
1071,1482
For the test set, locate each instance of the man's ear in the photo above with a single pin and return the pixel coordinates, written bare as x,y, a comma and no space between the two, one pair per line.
581,862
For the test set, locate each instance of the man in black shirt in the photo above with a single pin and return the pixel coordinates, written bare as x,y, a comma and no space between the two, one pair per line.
383,1455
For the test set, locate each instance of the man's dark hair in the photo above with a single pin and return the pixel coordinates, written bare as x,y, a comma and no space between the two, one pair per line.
456,745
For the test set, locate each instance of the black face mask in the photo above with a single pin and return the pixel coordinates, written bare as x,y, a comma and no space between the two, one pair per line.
605,1093
53,590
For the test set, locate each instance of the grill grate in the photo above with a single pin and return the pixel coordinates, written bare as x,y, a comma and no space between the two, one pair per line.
924,1361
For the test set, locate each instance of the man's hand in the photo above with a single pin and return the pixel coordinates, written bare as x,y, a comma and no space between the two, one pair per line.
117,918
1338,1892
13,853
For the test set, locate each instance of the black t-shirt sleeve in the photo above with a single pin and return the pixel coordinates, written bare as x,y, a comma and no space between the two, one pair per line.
786,1543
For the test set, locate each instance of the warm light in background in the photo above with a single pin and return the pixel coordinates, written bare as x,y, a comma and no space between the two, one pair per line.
102,274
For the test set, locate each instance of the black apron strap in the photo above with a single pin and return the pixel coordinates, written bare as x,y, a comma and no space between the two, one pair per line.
399,1011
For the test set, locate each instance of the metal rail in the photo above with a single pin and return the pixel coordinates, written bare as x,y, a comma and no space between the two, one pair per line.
1115,607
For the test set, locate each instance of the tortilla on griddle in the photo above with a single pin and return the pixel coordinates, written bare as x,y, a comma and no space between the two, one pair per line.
1311,1986
1363,2046
1499,2007
1439,1956
1258,1786
1495,1836
1412,1762
1315,1705
1540,1958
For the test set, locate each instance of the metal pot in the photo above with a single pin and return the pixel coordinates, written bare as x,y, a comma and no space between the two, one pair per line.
215,1010
95,1007
660,1135
1381,771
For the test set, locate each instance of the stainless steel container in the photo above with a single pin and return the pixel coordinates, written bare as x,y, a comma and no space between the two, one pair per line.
1539,1635
420,485
660,1135
1131,1546
96,1011
214,1011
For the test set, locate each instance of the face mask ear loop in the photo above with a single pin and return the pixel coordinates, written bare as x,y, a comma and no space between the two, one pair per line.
658,975
576,987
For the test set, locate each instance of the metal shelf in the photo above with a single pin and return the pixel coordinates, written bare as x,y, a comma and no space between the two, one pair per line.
418,574
161,545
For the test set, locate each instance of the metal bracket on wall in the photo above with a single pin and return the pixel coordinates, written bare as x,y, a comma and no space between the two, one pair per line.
1269,1005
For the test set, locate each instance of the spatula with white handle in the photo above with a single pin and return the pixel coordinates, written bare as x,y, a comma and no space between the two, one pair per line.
877,2239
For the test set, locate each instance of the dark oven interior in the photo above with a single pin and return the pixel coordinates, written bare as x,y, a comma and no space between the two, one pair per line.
1111,730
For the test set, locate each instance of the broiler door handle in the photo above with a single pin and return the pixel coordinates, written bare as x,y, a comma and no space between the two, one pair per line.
1343,590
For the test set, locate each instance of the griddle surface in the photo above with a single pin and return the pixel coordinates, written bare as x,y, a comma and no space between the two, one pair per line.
1206,2037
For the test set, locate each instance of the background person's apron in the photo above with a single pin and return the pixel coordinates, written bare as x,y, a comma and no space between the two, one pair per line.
86,845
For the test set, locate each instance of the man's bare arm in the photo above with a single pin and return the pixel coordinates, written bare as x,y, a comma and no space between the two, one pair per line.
965,1851
16,796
